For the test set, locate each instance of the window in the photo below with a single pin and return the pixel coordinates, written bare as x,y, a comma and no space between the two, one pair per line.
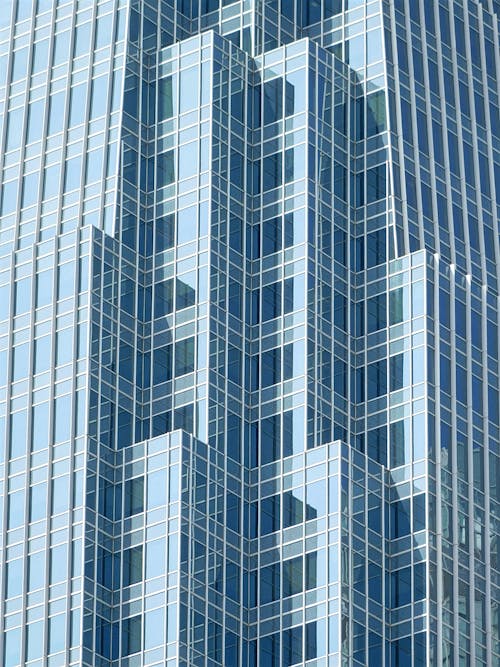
291,303
293,430
62,418
64,346
377,379
311,13
316,499
400,442
34,640
165,169
235,298
401,652
271,236
236,234
104,567
398,305
270,651
294,97
20,362
66,280
232,581
184,356
163,298
376,313
103,31
189,89
155,558
234,364
270,445
273,100
131,635
22,295
292,646
61,48
36,571
162,366
16,509
314,563
295,163
400,518
375,114
269,515
185,292
157,489
375,248
82,40
132,566
18,433
237,169
9,197
272,171
44,294
99,97
38,502
184,418
375,183
270,367
269,583
375,582
355,51
292,576
289,367
399,371
419,584
271,301
401,587
35,121
154,628
134,496
58,564
293,507
315,640
164,233
57,633
14,128
188,159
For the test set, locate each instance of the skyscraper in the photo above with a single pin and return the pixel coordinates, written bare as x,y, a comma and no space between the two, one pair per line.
249,297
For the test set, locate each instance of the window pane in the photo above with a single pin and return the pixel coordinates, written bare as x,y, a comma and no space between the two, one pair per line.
189,89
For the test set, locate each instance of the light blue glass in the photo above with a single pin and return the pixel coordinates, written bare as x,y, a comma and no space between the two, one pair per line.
34,640
249,343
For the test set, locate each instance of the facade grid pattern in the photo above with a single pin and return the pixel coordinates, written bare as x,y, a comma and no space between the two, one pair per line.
249,311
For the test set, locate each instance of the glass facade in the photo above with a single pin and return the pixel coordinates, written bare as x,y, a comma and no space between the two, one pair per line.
249,310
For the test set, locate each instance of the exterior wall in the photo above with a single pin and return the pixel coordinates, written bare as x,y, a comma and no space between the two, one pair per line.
60,91
442,71
249,333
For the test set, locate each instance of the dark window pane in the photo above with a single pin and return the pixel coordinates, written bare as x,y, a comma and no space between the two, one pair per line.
184,356
134,496
273,100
